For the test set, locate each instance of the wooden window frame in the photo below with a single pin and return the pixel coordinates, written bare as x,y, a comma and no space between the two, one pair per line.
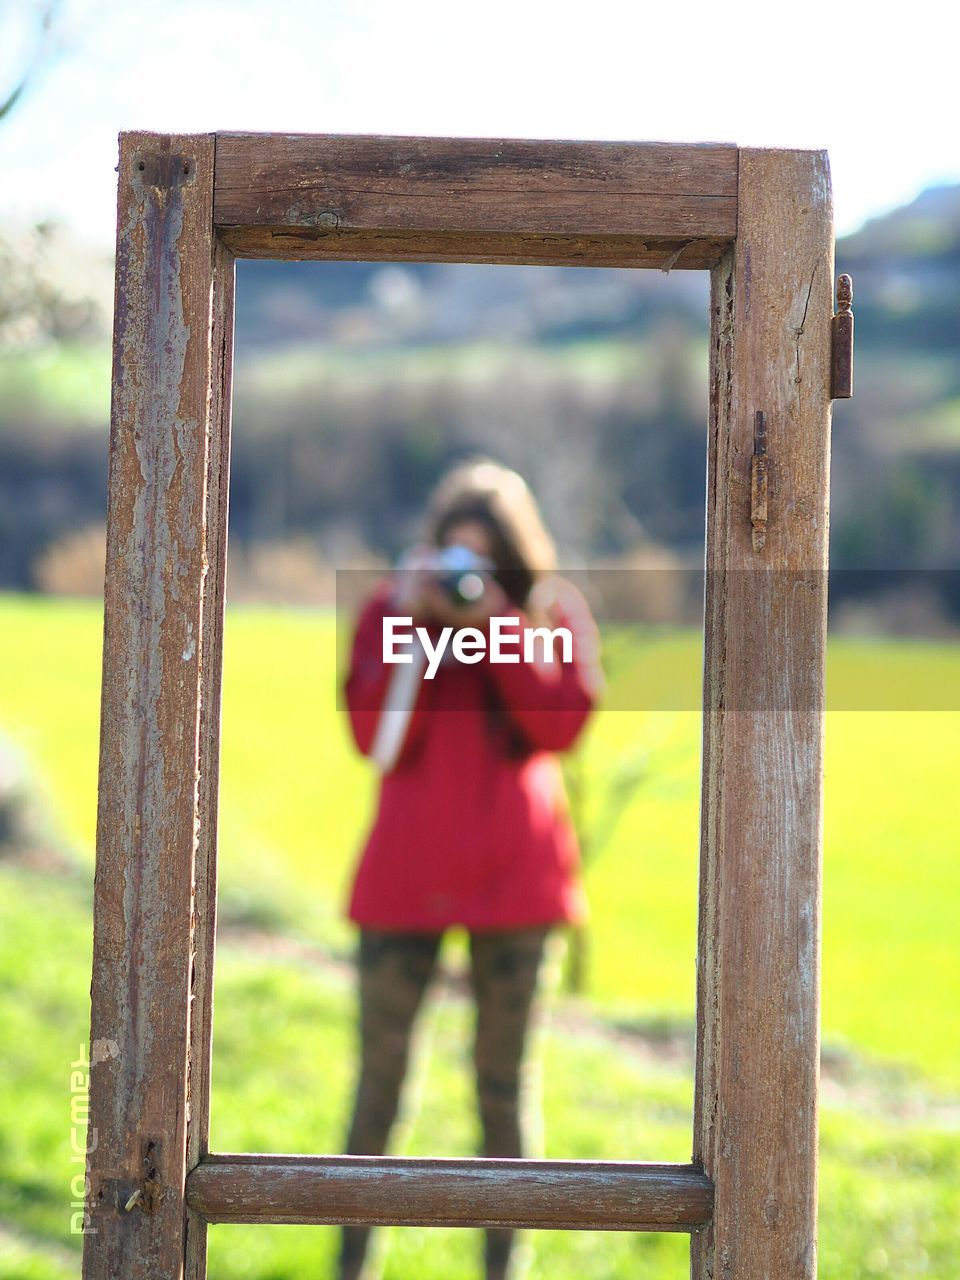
761,222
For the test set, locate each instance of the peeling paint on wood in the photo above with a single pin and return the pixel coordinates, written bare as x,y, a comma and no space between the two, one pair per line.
205,891
146,829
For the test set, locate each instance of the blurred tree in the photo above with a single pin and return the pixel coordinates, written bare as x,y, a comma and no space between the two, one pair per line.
42,18
41,300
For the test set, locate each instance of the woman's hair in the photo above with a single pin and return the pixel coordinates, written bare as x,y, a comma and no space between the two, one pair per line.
496,497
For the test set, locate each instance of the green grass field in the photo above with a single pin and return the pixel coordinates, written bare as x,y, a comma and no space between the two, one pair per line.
294,804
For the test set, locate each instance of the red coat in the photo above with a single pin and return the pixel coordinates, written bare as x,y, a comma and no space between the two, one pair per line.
472,825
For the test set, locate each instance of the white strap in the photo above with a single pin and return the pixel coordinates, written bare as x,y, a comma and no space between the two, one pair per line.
397,709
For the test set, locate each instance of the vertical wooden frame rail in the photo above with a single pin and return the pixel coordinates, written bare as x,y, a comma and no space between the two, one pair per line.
761,220
155,884
758,1040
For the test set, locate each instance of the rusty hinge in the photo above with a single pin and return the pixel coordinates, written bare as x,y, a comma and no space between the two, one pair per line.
841,364
758,481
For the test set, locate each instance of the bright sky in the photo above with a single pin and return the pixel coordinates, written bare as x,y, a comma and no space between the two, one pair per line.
873,84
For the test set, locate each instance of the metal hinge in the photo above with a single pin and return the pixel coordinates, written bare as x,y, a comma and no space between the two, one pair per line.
841,364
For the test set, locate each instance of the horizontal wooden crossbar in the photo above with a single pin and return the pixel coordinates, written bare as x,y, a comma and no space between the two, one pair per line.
572,1195
475,199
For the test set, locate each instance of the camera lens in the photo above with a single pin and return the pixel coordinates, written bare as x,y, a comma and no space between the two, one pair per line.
469,588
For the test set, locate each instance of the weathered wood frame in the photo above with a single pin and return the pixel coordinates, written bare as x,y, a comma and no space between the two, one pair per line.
761,221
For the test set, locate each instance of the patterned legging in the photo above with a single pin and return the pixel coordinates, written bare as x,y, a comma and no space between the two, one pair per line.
394,972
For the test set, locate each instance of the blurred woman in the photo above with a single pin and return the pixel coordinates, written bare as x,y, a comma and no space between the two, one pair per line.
472,826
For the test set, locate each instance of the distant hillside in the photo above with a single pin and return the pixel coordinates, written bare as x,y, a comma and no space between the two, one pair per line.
907,269
896,472
283,304
906,264
358,383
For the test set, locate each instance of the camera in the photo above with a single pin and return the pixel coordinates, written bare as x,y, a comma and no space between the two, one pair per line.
461,575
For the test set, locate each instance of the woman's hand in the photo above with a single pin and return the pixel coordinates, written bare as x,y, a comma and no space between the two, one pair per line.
412,579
